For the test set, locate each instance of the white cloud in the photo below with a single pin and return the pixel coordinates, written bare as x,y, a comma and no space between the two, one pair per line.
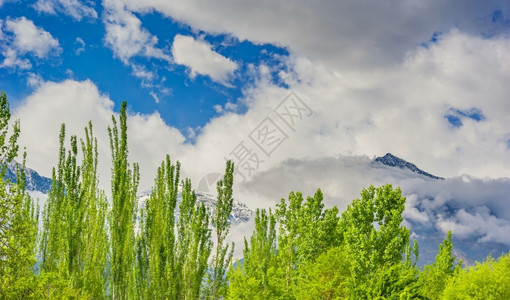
126,36
75,103
11,60
30,38
340,34
201,59
72,8
26,38
34,80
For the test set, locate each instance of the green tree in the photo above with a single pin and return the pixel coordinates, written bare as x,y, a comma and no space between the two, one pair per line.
93,263
435,276
18,231
373,236
326,277
157,241
306,230
74,245
18,217
124,184
194,244
220,221
488,280
252,277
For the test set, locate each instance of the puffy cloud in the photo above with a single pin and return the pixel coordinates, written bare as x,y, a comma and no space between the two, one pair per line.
72,8
343,35
76,103
30,38
26,38
126,36
201,59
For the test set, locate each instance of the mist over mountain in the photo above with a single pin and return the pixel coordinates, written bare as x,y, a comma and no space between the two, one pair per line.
476,210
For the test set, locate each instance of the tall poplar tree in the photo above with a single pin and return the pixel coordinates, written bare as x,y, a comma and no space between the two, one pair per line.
223,255
18,218
74,245
252,277
156,256
194,244
124,184
95,236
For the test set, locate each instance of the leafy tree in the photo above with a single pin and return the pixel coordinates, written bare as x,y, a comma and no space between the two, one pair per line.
435,276
253,277
18,231
194,243
373,236
306,230
157,241
74,243
93,266
488,280
223,257
124,185
326,277
18,218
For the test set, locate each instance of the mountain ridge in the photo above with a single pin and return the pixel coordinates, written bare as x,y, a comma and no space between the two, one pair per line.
394,161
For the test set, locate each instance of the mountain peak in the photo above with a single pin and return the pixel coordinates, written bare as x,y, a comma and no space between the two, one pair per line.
394,161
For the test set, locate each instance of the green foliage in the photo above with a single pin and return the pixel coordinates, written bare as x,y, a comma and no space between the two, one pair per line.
326,277
74,246
156,259
373,237
434,277
18,232
222,257
306,230
18,218
124,184
253,278
488,280
195,243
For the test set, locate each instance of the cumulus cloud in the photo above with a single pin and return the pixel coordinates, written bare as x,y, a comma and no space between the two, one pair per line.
76,103
126,36
201,59
26,38
344,35
72,8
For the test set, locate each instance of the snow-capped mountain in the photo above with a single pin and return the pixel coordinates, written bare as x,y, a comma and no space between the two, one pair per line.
393,161
240,212
34,181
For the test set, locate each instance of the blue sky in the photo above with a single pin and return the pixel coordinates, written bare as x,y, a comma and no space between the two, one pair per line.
82,54
300,95
206,74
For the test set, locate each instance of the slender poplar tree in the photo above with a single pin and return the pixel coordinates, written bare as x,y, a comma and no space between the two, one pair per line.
194,244
95,237
157,247
223,255
18,218
124,184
